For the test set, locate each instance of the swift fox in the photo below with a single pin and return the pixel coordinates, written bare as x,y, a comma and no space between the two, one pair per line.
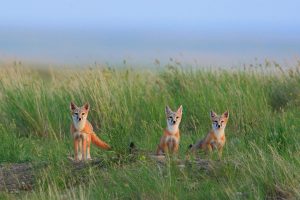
83,134
215,139
169,142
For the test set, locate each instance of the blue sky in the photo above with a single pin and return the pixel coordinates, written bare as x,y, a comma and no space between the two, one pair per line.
100,29
62,13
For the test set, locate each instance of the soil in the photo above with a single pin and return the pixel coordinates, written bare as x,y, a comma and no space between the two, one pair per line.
15,177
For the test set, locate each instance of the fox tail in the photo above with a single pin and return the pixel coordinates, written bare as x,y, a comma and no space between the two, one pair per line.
132,148
98,142
198,145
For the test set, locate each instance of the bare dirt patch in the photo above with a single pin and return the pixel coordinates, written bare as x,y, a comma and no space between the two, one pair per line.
15,177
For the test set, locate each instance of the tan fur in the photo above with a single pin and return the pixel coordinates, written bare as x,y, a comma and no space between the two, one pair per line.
169,142
83,133
215,139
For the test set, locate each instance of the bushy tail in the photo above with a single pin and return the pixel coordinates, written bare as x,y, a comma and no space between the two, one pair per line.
132,148
198,145
98,142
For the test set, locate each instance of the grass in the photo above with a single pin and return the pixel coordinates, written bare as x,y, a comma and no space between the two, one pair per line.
261,158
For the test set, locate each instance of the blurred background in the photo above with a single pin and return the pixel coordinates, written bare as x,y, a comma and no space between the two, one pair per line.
202,33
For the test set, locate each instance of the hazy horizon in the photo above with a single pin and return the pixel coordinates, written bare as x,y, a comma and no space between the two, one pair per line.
93,31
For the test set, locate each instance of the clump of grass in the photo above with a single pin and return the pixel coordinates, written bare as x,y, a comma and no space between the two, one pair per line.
285,93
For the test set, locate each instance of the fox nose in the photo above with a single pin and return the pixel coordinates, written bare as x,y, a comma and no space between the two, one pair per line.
174,122
79,119
219,125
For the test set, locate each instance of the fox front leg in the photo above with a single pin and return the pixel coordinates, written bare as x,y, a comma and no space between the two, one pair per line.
209,150
79,148
88,141
220,151
165,149
84,143
76,143
176,147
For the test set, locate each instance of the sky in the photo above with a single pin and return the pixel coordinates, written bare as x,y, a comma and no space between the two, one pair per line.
85,31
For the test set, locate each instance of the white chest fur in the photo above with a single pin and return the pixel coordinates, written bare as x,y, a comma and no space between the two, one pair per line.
172,128
171,138
219,135
79,125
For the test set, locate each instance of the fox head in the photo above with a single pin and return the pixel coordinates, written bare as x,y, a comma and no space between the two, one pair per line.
79,114
219,121
173,118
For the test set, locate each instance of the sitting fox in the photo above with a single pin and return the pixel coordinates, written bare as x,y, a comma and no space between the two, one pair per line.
83,134
215,139
169,142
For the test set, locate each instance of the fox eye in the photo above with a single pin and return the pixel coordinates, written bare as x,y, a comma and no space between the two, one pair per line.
83,113
169,117
216,122
177,117
76,113
222,121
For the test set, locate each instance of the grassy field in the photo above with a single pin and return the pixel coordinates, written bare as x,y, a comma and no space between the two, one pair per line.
261,158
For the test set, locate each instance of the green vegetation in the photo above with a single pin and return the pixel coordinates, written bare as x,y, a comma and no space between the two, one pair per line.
261,158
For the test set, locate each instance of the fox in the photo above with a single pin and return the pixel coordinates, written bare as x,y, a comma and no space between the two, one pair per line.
215,139
83,133
169,142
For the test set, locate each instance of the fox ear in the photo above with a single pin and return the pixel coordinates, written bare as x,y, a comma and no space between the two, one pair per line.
179,111
168,110
86,106
72,106
213,114
226,114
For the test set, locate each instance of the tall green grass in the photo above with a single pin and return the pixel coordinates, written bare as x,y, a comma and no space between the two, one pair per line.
261,157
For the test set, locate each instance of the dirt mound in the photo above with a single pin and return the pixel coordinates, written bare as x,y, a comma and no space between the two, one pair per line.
15,177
